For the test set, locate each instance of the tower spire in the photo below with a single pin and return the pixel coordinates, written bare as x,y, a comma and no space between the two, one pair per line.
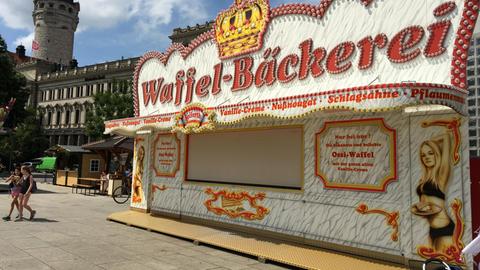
55,23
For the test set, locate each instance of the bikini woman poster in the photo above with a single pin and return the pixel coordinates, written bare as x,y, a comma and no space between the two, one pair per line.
437,213
139,175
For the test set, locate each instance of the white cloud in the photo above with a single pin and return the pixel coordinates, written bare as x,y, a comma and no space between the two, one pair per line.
25,41
105,14
144,14
17,14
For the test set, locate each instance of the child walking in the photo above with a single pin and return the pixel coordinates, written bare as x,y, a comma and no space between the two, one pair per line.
15,187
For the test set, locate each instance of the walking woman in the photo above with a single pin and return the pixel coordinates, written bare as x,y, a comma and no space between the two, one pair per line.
15,187
25,193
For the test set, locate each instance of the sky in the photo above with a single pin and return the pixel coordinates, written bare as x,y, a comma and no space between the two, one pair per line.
111,29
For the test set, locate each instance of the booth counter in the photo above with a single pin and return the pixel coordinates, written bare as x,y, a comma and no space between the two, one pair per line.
340,124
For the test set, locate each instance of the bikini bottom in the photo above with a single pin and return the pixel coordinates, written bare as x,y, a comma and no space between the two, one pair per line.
443,231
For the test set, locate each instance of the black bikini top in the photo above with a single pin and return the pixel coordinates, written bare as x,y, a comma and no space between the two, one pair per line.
431,190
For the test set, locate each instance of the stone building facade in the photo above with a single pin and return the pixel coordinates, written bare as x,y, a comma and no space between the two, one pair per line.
55,23
186,35
63,98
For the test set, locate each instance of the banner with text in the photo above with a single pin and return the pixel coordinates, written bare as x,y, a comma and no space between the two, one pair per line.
356,154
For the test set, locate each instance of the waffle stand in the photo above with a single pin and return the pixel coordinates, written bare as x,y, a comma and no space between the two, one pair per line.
341,124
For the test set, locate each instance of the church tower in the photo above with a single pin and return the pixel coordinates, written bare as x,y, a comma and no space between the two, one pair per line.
55,24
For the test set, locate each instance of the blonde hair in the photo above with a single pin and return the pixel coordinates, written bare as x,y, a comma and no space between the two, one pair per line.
430,174
139,163
26,168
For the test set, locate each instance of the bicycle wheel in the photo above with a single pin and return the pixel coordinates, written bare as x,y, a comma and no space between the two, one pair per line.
121,194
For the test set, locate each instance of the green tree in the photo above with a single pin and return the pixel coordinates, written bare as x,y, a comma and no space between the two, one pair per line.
113,104
26,142
12,85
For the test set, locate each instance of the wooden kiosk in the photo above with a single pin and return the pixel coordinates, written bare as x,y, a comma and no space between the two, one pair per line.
340,125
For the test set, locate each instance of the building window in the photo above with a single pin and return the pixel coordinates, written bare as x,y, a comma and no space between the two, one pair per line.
471,82
70,10
62,7
50,5
473,153
472,123
470,52
472,133
470,72
471,102
58,118
473,143
78,91
478,81
471,112
49,118
67,118
41,5
470,62
77,116
478,41
94,165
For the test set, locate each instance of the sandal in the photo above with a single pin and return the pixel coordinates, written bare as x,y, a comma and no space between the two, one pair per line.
7,218
32,215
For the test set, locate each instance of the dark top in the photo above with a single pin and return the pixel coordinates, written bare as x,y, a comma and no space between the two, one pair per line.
25,184
431,190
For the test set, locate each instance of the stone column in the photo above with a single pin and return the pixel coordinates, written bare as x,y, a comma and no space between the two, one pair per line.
63,117
72,116
54,116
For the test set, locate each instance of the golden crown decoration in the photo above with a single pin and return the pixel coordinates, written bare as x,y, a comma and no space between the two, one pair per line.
239,29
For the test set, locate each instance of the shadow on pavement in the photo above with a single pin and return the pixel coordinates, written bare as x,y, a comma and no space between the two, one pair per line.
45,220
39,191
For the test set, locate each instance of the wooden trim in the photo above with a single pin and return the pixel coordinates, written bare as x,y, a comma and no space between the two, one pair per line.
157,213
351,251
141,210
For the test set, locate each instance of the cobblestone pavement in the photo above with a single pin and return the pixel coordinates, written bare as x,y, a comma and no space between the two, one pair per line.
70,231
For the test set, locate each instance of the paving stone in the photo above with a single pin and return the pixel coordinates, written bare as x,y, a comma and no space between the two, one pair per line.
30,242
71,232
24,264
77,264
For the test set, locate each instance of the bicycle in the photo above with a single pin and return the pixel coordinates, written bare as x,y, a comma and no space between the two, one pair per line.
122,193
436,264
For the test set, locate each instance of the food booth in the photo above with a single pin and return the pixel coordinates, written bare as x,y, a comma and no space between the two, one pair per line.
341,124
